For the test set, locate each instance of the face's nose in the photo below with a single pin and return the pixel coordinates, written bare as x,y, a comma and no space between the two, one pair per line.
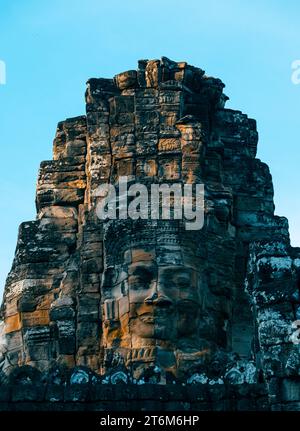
158,298
162,300
151,298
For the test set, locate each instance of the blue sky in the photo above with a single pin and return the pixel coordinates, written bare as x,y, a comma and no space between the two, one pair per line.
51,48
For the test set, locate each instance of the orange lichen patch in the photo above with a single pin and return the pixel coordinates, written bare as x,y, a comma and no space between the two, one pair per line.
12,324
170,144
125,334
151,168
36,318
142,255
77,184
45,302
113,332
146,167
11,307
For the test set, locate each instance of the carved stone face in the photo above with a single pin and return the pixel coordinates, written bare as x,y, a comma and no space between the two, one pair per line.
159,300
155,301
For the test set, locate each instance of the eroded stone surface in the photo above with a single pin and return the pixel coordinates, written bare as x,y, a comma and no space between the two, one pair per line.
148,301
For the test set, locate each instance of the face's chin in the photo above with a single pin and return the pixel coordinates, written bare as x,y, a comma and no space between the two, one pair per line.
142,326
157,323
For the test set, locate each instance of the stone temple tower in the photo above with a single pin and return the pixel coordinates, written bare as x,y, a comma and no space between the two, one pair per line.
147,300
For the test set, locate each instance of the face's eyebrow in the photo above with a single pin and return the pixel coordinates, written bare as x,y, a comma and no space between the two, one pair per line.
176,272
142,269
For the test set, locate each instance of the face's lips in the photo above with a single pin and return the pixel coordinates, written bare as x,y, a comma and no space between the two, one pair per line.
158,315
147,318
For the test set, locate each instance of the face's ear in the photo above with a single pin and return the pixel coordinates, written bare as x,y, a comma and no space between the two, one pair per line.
107,278
121,278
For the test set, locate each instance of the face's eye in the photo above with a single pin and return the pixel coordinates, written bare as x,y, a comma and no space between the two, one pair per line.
183,283
136,282
140,279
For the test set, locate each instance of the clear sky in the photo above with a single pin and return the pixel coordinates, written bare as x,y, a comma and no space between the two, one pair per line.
51,48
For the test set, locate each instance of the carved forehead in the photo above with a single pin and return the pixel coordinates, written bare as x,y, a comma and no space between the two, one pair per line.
166,242
139,268
167,259
176,272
